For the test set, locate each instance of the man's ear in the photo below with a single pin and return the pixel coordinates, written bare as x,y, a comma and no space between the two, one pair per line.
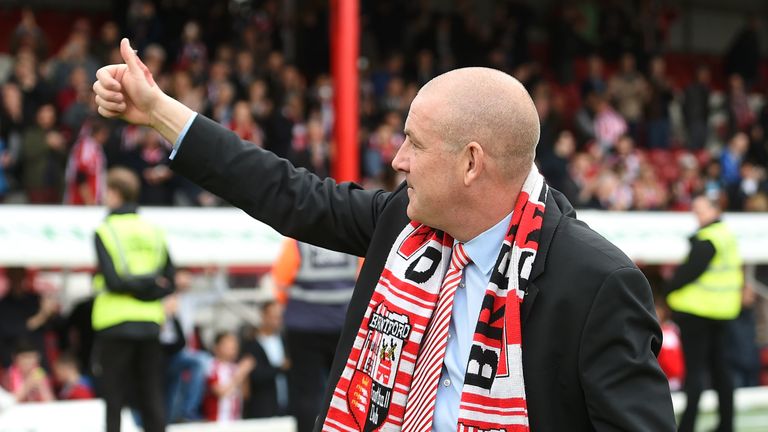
474,162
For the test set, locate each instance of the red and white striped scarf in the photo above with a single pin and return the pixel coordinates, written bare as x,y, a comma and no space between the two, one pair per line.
373,389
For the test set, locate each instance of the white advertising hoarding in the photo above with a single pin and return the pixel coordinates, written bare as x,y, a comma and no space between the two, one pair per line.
62,236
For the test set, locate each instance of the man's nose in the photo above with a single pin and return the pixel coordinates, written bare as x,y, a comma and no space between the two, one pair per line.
399,161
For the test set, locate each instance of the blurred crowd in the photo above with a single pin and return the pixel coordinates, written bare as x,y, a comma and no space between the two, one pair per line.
48,353
625,125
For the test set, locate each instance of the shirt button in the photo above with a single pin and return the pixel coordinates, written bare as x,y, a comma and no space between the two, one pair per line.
449,335
447,382
461,285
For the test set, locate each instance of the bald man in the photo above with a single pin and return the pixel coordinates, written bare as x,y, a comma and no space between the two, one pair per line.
483,304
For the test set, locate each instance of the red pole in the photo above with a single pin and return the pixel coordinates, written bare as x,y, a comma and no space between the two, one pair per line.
345,45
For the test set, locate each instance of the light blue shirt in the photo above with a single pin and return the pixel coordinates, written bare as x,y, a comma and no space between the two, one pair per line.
183,133
483,251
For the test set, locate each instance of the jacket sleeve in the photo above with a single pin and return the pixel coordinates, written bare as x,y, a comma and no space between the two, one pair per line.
624,387
293,201
702,252
143,288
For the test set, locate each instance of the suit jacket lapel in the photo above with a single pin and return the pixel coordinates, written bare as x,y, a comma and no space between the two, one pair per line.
556,206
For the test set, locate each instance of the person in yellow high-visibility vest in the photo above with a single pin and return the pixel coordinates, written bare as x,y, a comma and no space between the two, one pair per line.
705,294
134,273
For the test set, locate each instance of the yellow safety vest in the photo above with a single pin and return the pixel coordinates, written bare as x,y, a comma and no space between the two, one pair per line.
137,248
716,294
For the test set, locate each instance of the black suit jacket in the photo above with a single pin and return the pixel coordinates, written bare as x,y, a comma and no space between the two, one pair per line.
262,400
590,335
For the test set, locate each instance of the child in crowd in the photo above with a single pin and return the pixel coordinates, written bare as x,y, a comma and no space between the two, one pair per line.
224,397
671,354
73,386
25,379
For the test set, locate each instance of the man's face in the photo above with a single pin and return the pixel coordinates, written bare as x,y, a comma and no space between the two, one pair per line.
431,170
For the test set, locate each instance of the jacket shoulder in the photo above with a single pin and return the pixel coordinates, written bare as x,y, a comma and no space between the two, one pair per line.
579,249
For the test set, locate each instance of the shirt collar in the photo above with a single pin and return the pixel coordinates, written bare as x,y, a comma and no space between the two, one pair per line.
484,249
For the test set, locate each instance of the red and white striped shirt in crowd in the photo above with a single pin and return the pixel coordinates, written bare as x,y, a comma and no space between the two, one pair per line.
87,165
225,408
609,126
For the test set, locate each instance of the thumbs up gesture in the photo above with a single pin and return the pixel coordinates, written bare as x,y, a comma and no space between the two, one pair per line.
128,90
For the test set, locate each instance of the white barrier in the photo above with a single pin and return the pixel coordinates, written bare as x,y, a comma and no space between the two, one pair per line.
88,416
62,236
745,399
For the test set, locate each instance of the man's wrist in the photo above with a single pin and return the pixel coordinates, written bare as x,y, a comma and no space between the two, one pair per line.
168,117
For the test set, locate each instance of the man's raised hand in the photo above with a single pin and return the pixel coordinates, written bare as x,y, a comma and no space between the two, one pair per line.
128,90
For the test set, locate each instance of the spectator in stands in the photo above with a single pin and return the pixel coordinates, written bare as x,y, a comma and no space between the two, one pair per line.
732,157
314,153
186,367
29,35
258,100
26,379
244,73
648,192
143,24
244,125
628,89
220,106
595,79
42,158
23,315
5,162
188,93
688,183
157,185
72,55
382,147
740,114
550,120
743,55
610,193
555,168
660,95
753,180
86,167
11,128
583,169
758,149
584,120
696,109
224,397
671,353
109,37
77,334
714,187
741,350
624,159
267,383
35,91
72,385
78,99
609,126
193,52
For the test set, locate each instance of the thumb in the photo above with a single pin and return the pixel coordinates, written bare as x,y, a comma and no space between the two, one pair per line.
129,57
135,65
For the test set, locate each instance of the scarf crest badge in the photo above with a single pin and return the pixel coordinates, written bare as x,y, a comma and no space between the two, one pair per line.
372,392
